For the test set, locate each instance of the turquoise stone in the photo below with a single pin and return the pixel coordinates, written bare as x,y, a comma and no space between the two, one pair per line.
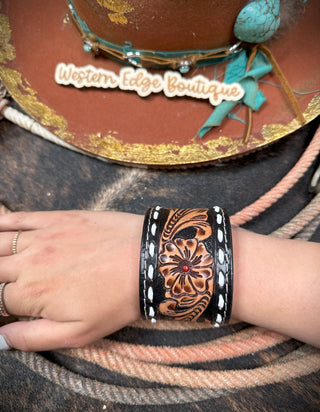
184,66
184,69
258,21
87,48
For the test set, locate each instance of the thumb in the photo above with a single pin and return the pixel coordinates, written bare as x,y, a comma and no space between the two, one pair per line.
41,335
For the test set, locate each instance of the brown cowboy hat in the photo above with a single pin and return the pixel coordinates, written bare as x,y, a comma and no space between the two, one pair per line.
155,130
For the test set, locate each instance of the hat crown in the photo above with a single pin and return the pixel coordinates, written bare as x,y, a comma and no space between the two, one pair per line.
162,25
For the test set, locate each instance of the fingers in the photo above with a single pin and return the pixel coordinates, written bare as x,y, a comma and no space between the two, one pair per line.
6,243
8,269
10,243
16,242
22,221
13,302
20,297
36,220
42,335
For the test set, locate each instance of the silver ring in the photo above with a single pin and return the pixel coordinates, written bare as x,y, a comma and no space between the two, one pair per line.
14,242
3,310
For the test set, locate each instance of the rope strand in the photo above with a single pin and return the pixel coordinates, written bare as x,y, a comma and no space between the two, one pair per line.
274,194
300,221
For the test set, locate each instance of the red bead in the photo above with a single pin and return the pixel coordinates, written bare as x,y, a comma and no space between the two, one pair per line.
185,268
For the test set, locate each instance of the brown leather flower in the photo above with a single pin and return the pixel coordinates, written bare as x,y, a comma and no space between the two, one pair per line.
186,266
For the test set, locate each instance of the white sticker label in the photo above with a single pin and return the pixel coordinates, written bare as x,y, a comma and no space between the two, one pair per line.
172,84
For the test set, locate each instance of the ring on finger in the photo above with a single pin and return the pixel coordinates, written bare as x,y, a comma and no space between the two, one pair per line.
15,242
3,309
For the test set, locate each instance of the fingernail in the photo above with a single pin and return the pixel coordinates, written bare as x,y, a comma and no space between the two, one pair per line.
3,344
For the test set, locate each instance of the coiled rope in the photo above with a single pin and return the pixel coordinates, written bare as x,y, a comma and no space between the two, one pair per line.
281,188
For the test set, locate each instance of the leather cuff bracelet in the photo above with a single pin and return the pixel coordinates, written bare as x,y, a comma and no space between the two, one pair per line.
186,269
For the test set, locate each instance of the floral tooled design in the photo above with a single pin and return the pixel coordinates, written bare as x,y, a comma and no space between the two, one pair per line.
186,265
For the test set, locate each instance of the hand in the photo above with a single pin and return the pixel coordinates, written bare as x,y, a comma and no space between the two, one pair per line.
76,272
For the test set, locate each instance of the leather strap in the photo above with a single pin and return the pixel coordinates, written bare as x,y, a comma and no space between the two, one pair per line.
222,299
186,265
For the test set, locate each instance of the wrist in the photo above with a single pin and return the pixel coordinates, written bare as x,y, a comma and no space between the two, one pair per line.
135,233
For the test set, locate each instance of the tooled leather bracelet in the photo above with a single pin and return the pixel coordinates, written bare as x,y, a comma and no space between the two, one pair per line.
186,268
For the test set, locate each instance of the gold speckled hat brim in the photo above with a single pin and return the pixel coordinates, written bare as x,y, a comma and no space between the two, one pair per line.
155,131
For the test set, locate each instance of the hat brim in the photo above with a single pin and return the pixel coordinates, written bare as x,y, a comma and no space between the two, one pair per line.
155,131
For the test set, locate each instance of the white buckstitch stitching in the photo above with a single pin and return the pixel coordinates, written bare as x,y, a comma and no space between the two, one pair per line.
227,266
145,266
